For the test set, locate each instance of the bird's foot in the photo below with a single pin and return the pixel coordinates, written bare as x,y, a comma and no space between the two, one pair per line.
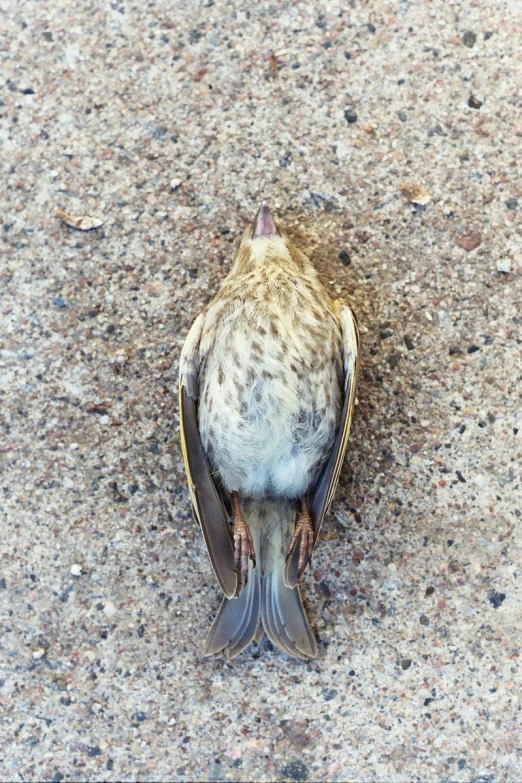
243,548
303,538
243,541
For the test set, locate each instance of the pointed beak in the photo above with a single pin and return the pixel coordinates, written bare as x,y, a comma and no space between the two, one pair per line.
264,225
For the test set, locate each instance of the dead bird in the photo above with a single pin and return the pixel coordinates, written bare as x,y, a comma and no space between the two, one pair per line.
267,387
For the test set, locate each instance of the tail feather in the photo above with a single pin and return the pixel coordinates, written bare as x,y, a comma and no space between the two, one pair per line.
265,599
236,622
284,619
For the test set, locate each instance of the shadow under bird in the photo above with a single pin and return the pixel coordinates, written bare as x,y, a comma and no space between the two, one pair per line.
267,388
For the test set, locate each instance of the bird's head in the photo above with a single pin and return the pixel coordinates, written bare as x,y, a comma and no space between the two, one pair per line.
264,243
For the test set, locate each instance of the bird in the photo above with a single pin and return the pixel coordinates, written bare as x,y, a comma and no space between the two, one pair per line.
267,383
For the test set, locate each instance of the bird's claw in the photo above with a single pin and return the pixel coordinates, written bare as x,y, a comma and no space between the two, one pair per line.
304,538
243,549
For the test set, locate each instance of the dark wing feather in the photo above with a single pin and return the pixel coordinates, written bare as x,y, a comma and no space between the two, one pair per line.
207,504
324,491
321,495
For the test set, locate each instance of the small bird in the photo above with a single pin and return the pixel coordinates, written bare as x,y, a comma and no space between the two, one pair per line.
267,386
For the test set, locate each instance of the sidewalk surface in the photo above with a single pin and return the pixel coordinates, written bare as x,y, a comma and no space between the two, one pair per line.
170,122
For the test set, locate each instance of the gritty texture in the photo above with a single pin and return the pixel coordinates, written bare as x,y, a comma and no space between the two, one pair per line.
170,122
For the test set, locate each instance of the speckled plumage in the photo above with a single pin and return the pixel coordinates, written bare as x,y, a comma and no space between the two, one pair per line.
270,362
267,364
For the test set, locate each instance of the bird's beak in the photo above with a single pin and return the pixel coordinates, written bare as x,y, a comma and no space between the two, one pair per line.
264,224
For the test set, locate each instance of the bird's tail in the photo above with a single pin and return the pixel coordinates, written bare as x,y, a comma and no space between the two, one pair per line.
265,603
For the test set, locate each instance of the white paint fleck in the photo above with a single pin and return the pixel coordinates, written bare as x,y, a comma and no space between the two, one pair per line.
109,609
504,266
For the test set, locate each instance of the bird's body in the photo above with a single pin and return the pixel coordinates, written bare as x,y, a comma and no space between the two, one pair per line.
263,382
270,379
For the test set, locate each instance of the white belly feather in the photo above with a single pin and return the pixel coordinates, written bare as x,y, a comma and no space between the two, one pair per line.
268,418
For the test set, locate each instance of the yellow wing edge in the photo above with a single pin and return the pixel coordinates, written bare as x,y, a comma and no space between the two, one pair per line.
190,479
341,454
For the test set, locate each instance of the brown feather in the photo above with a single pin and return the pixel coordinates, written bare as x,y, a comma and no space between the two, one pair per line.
208,508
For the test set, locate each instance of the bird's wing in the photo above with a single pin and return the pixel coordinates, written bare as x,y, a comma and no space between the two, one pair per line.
321,494
207,503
